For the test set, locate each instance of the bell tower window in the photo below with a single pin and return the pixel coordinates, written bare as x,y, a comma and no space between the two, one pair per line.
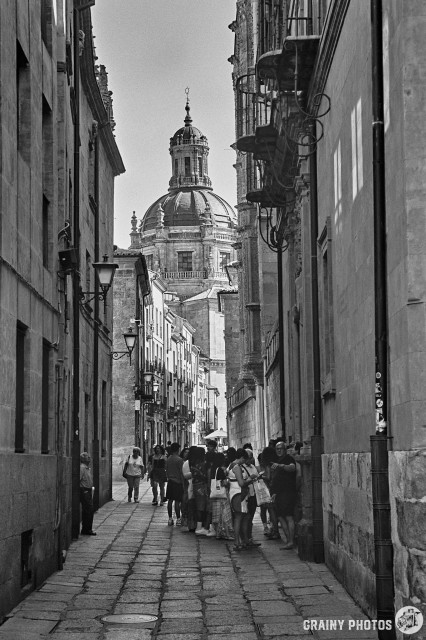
187,167
200,166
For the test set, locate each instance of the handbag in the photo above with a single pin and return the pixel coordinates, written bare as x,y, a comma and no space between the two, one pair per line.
126,464
217,490
262,492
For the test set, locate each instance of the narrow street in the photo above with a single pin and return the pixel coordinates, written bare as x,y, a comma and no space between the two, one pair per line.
196,588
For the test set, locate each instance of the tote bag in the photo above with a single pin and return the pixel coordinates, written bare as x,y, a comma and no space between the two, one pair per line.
262,492
217,491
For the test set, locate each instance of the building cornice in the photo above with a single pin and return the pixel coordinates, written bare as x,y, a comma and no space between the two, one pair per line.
330,38
94,97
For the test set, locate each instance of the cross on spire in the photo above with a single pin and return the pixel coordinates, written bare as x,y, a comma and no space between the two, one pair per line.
188,118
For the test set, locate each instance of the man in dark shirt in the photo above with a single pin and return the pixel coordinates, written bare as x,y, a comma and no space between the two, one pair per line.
86,497
174,491
283,489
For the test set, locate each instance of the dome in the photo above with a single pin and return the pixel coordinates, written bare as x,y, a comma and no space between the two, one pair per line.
189,207
188,133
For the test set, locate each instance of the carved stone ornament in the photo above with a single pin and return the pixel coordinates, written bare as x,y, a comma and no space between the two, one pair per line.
81,39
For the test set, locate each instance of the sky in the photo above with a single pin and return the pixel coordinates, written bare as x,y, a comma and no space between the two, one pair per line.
152,51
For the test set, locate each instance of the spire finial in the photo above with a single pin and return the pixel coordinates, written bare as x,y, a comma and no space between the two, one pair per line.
188,118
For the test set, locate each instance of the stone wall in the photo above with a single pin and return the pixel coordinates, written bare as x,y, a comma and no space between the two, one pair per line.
348,524
408,504
124,377
230,309
272,400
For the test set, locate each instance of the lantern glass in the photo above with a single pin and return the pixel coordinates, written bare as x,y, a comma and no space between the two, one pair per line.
130,339
105,271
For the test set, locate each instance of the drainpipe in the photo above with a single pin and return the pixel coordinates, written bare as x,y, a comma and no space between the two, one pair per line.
380,442
317,440
96,453
281,339
137,367
75,509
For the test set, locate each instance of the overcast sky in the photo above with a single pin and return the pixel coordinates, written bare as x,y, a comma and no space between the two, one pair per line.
153,50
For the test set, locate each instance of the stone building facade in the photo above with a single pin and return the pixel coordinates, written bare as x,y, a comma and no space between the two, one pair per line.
256,264
352,275
59,161
187,240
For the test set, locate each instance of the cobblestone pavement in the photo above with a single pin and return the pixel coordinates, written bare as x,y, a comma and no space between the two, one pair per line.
197,588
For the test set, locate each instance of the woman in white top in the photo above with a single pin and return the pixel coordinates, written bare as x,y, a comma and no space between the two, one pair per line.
240,479
188,503
135,471
250,468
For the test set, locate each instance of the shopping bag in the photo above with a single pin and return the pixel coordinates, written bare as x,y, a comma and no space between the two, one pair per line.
126,464
262,492
217,490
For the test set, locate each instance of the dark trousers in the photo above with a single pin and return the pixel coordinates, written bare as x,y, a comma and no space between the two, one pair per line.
86,501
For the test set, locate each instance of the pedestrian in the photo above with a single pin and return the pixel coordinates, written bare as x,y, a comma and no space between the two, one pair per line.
210,456
198,469
184,504
168,445
184,453
269,456
135,472
230,456
283,489
86,495
189,510
211,446
238,493
157,474
174,491
264,514
221,508
252,472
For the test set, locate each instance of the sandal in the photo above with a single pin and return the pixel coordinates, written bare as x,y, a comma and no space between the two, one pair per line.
237,547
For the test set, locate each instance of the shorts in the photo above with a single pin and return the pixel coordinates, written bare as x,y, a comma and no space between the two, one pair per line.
238,505
284,504
174,491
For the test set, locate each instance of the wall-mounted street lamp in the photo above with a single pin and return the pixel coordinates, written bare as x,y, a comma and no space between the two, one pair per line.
149,388
130,340
105,273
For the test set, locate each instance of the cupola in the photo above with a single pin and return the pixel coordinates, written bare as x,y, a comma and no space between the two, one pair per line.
189,151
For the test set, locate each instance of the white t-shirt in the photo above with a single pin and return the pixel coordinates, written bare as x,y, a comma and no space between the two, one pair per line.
135,466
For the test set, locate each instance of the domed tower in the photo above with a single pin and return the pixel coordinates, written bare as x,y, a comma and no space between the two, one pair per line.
187,235
189,151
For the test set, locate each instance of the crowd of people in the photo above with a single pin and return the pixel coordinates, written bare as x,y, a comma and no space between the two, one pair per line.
216,494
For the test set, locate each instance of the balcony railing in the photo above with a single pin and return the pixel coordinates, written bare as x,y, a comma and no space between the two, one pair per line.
272,25
189,181
188,275
253,105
